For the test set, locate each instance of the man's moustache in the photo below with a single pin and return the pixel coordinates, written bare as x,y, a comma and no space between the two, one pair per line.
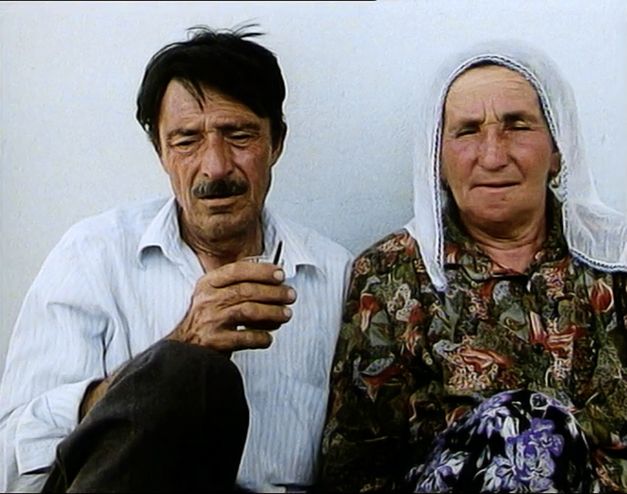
219,188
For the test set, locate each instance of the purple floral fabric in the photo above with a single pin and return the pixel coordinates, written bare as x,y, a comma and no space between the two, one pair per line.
515,441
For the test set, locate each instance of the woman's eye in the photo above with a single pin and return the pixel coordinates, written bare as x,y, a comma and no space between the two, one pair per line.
465,131
517,124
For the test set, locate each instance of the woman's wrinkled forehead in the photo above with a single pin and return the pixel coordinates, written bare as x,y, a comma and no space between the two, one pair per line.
509,64
470,69
491,81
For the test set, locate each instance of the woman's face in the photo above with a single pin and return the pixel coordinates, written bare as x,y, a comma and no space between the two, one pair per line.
497,151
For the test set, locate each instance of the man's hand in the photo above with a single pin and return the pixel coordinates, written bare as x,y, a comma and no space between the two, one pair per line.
240,294
236,295
94,392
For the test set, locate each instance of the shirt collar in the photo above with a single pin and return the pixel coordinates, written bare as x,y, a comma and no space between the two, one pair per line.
296,251
163,233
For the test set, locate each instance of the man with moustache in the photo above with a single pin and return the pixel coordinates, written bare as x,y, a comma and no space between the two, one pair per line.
143,357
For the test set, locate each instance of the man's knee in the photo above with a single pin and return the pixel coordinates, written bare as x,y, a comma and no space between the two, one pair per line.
163,408
173,378
175,361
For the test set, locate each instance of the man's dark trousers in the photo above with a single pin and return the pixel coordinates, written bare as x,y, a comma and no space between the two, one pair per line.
174,419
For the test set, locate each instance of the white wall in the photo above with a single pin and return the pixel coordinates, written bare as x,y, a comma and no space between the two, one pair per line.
69,72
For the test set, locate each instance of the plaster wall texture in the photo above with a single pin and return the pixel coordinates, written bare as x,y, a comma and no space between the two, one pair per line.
356,73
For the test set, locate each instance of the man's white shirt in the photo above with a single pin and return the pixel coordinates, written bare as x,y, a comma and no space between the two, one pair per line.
118,282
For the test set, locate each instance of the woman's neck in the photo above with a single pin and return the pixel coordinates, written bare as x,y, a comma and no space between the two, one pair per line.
512,248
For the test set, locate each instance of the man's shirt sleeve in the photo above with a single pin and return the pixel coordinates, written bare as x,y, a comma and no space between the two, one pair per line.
56,350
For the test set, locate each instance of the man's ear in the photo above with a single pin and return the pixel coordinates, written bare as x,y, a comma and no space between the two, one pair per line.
160,156
163,165
157,147
277,148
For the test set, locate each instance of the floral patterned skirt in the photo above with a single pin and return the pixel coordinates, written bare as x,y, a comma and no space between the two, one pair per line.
515,441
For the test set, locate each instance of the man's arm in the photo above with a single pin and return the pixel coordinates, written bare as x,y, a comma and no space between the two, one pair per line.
235,295
56,350
94,393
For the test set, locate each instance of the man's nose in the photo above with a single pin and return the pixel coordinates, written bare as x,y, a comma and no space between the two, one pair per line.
493,149
215,158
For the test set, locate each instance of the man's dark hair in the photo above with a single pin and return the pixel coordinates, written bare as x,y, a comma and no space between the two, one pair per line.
224,60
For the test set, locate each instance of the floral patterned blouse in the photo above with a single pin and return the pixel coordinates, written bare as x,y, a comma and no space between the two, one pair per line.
410,360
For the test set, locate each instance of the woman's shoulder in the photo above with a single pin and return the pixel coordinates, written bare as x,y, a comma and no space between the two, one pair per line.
394,251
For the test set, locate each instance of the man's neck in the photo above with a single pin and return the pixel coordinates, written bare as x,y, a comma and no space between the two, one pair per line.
215,253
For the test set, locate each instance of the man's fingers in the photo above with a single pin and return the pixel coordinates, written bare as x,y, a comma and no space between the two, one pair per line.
252,314
237,272
232,341
252,338
257,292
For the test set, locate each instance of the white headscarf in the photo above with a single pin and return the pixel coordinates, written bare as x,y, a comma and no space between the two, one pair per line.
595,233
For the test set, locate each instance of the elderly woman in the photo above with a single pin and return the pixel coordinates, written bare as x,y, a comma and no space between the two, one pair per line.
484,346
